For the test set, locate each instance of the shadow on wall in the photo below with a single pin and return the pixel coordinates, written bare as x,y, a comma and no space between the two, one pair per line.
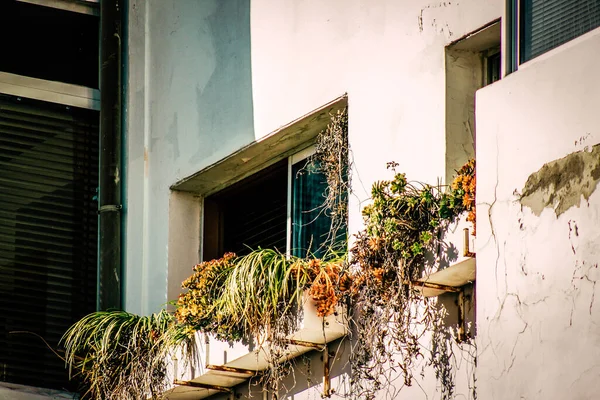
200,82
307,374
224,104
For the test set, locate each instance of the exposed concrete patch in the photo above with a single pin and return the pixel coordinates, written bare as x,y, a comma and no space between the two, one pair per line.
561,183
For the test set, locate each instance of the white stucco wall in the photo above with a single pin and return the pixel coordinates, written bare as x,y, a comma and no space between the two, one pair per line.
387,55
207,77
189,104
537,307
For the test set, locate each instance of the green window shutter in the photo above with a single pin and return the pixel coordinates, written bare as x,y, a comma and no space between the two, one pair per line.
546,24
48,233
311,223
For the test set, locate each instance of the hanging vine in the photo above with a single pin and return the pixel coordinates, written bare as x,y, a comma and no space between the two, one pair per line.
331,158
391,317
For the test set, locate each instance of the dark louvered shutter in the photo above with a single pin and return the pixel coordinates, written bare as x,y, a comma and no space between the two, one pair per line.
48,233
546,24
253,213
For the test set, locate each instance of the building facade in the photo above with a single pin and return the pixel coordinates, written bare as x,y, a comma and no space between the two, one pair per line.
217,91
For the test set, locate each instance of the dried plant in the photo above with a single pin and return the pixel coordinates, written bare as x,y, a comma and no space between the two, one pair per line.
200,307
331,158
123,356
464,185
391,317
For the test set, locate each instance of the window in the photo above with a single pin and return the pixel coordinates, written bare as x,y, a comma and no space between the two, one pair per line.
310,225
491,59
542,25
249,214
278,207
203,206
49,43
472,62
48,232
48,180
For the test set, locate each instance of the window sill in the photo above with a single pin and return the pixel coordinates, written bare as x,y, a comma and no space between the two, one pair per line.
449,279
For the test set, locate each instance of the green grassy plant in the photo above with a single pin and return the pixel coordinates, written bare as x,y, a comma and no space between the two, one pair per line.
121,355
261,289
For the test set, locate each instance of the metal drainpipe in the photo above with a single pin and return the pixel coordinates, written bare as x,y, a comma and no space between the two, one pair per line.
109,257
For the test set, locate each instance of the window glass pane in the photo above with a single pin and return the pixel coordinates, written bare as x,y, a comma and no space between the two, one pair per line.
493,68
48,43
546,24
311,224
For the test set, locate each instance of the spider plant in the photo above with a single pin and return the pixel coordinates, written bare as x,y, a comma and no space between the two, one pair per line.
122,355
256,295
263,287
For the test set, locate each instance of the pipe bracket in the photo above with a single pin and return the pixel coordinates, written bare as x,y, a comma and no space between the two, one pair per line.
110,208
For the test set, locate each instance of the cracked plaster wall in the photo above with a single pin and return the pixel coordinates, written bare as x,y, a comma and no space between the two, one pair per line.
538,228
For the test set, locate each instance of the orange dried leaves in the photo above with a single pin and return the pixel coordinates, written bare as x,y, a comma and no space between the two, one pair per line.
465,183
323,289
196,306
327,282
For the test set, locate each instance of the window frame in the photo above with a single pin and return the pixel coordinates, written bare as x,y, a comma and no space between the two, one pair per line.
293,160
51,91
514,36
188,193
90,7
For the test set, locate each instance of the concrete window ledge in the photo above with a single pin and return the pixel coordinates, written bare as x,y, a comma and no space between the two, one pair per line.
10,391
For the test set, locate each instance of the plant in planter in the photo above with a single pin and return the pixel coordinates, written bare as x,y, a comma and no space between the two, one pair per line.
121,355
464,185
258,297
232,298
199,307
402,225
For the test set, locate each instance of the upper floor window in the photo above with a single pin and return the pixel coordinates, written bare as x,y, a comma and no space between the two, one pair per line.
50,43
472,62
546,24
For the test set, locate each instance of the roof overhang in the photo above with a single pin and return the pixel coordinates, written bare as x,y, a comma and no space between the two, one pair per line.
263,152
